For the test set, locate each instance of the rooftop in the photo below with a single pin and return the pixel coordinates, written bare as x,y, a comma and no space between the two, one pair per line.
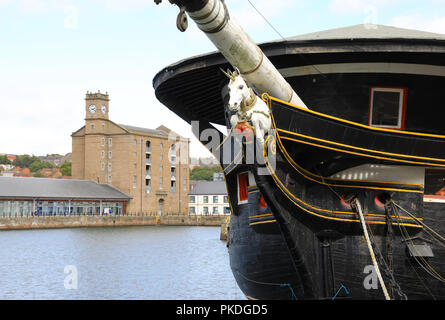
146,130
367,31
209,188
43,188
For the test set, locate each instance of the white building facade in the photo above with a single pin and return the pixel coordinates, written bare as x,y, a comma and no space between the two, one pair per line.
209,198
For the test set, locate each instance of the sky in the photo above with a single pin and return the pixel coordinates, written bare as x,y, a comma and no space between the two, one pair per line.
53,51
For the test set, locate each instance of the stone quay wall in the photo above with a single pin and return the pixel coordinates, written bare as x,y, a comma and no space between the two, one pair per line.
51,222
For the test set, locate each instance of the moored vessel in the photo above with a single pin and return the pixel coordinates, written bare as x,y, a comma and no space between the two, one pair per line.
335,196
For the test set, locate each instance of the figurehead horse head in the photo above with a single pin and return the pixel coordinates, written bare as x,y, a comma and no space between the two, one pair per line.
240,93
251,113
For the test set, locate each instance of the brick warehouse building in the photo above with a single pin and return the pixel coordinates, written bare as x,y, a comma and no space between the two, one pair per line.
151,166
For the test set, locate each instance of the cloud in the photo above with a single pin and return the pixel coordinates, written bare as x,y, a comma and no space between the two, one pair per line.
42,5
250,20
244,12
36,6
355,6
420,22
126,4
32,5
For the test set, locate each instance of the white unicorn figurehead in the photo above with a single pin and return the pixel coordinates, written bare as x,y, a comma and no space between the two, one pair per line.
239,92
250,113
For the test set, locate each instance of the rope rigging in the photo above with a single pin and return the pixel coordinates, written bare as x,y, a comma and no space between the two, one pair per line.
388,267
419,258
281,36
429,230
369,237
355,203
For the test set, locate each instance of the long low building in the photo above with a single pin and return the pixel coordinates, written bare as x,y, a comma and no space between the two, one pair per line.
22,197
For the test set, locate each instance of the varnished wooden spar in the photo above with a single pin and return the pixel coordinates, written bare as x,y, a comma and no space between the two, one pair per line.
341,144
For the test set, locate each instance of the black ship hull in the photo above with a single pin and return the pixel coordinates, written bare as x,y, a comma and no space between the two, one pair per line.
323,252
296,237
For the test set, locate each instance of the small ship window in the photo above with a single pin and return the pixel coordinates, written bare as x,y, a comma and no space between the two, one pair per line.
387,107
243,180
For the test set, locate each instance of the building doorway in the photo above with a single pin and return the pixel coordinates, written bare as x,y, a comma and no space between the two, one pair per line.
160,207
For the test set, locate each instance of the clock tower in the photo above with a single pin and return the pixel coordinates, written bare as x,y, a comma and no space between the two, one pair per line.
96,105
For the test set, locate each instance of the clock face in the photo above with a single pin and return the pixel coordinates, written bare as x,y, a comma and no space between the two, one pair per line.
103,109
92,108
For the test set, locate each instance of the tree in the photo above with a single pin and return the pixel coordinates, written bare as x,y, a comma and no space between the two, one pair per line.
4,160
204,173
37,175
24,161
66,169
38,165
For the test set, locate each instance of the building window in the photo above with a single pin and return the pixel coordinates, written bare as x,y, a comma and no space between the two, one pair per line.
103,141
134,165
227,210
103,128
192,210
215,199
147,146
135,154
135,142
109,154
109,167
192,199
134,182
215,210
92,127
226,200
161,181
110,141
173,153
387,107
205,210
103,154
206,199
147,185
109,178
102,165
